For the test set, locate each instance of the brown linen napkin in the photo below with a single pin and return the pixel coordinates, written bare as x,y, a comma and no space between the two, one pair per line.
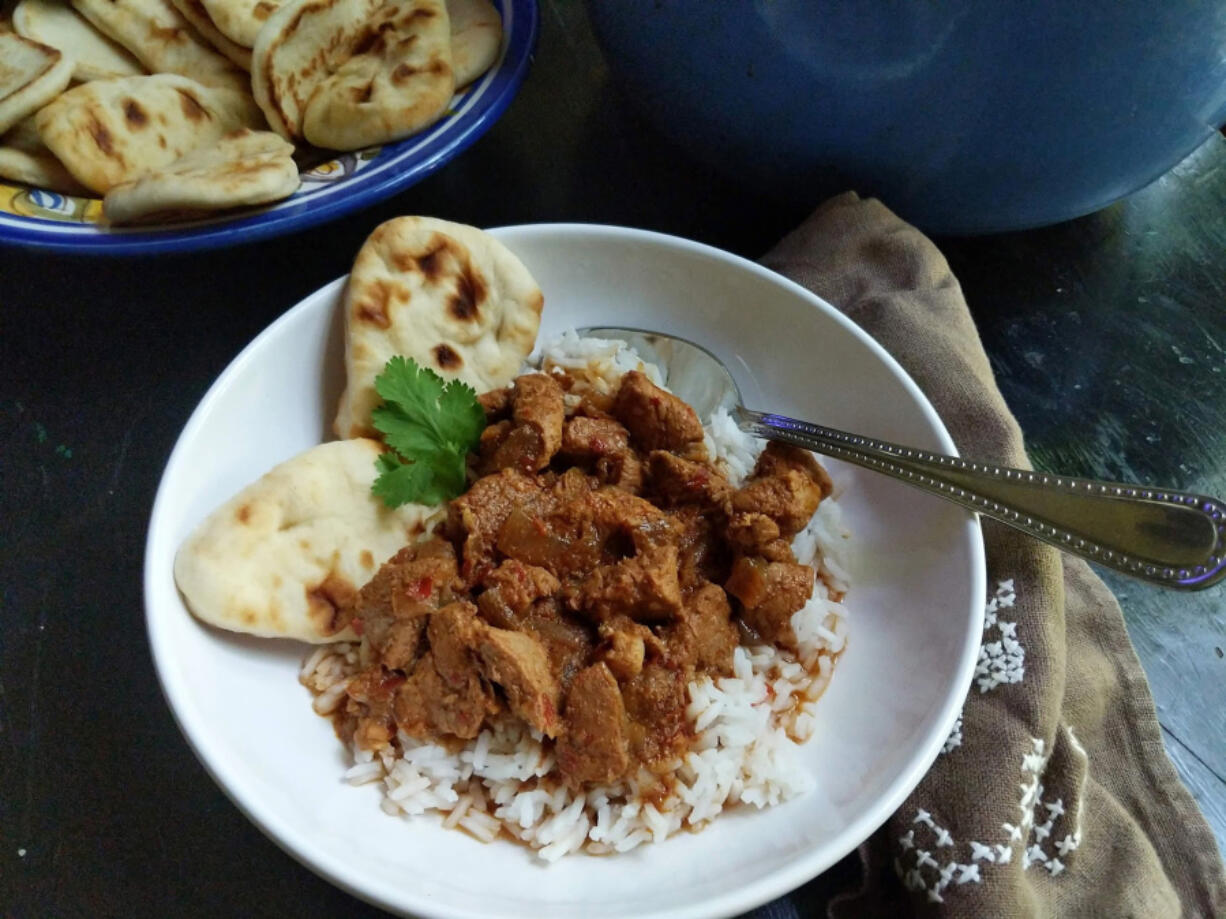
1054,795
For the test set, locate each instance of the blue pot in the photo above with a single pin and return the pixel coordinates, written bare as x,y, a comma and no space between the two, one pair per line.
965,116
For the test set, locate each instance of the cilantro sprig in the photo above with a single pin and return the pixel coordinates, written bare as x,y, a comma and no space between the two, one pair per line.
430,425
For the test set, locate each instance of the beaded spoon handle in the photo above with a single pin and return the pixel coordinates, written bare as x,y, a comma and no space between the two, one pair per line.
1168,537
1171,538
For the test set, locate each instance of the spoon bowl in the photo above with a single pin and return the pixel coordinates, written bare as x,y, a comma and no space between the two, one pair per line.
1172,538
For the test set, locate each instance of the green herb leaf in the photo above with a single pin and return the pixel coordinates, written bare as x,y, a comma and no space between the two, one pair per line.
449,473
403,434
463,417
400,482
430,426
413,389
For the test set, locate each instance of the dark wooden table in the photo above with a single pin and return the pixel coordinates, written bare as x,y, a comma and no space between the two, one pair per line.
1108,335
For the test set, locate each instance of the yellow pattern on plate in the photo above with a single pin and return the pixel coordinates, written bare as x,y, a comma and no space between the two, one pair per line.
25,201
48,205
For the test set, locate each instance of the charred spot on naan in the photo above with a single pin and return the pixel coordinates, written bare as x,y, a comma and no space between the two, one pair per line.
444,258
172,35
371,40
419,16
447,359
374,304
429,263
192,109
403,72
374,310
469,291
135,116
102,137
330,603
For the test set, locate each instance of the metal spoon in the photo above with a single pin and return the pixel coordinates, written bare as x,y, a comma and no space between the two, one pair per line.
1171,538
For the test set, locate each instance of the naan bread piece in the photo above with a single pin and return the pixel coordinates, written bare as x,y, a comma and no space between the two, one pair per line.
300,46
241,169
55,23
195,13
25,158
397,81
112,131
161,39
31,75
476,38
286,556
38,171
240,20
449,296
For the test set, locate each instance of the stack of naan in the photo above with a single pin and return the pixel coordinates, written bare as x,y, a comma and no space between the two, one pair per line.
170,108
286,556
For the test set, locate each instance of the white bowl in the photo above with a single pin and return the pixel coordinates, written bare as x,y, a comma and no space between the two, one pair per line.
916,603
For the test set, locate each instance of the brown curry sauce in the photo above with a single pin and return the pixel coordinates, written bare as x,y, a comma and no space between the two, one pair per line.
597,564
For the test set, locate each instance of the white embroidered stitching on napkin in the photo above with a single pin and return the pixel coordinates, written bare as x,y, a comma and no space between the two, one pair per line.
1054,810
949,872
1001,661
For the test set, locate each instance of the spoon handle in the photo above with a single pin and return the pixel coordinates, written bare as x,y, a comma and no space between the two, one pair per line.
1168,537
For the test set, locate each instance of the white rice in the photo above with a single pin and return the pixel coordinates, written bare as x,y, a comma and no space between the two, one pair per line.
598,363
748,726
